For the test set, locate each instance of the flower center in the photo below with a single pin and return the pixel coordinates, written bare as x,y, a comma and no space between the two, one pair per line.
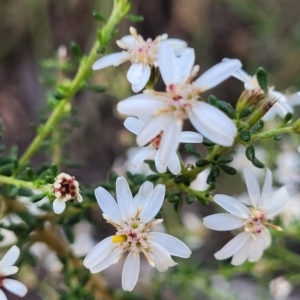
256,221
132,236
1,280
156,141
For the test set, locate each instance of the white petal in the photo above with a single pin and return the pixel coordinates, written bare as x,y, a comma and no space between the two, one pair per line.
109,260
276,202
280,97
267,188
177,45
190,137
154,203
129,40
173,245
252,187
130,271
15,287
144,78
233,246
99,252
124,197
257,248
58,206
141,155
267,238
162,254
168,64
217,74
223,222
134,73
10,271
143,195
152,129
113,59
213,124
108,205
170,140
161,168
186,63
2,296
134,125
233,206
241,75
240,256
174,164
10,257
158,265
140,104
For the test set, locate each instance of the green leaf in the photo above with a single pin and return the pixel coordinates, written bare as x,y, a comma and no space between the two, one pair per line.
69,234
37,198
262,78
98,17
135,18
26,217
287,117
250,152
257,127
24,192
245,135
96,88
189,199
54,170
75,49
30,173
245,112
227,169
192,149
225,159
257,163
174,198
202,163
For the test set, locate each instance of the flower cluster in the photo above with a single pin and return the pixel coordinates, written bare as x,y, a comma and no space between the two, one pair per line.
65,188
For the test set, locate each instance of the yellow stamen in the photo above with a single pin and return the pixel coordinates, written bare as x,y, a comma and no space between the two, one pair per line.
278,228
119,238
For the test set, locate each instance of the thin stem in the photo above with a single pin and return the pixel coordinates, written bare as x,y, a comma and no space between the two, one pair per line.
271,133
120,9
18,182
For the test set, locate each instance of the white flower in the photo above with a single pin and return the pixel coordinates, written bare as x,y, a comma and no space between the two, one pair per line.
7,269
133,217
253,217
280,288
281,106
152,150
65,188
142,55
181,101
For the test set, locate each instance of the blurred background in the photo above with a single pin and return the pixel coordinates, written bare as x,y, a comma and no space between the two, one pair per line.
259,33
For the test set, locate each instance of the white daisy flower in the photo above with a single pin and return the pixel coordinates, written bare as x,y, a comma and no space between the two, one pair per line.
181,101
253,216
152,150
133,217
142,55
65,188
281,106
7,269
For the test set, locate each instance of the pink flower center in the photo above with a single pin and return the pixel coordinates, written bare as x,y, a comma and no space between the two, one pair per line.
67,187
156,141
255,223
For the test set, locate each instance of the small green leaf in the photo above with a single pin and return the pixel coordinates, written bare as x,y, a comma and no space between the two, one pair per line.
174,198
245,112
202,163
54,170
257,163
257,127
24,192
277,137
135,18
245,135
225,159
30,173
189,199
37,198
287,117
227,169
98,17
75,49
262,78
192,149
96,88
250,152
